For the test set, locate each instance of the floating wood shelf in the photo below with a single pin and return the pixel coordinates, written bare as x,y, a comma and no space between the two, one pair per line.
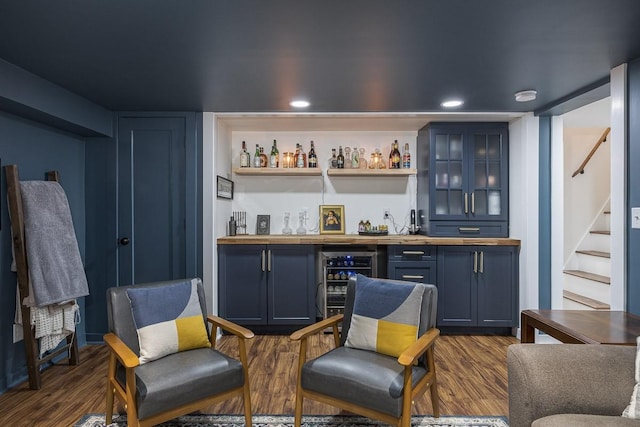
278,171
371,172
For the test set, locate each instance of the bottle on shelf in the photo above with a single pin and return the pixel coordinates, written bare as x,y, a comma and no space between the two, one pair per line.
301,160
347,157
286,229
394,156
362,160
264,161
355,159
313,158
256,157
274,158
334,159
406,156
340,159
245,160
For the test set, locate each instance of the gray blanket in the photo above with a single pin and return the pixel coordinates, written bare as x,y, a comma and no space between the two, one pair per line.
55,266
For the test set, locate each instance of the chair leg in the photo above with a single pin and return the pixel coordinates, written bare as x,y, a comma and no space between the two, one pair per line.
109,411
435,400
298,413
247,404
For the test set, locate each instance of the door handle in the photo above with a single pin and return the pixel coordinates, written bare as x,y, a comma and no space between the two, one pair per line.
481,261
262,259
473,203
466,203
475,261
124,241
411,276
269,260
412,252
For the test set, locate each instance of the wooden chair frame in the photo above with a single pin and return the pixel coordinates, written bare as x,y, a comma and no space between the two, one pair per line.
424,345
119,352
34,361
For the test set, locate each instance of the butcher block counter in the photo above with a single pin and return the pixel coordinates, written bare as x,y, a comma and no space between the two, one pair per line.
353,239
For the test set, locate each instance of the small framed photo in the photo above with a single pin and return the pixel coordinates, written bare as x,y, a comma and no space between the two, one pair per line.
331,219
224,187
263,225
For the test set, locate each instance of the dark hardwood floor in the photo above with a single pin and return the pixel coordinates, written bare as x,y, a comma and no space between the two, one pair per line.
472,380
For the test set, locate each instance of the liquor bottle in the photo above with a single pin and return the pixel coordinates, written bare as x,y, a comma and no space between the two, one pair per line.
245,160
256,157
355,160
264,161
406,156
274,158
394,156
313,159
334,159
347,157
340,159
301,159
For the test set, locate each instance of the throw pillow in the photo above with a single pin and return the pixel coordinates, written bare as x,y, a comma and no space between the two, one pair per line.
386,316
168,319
633,410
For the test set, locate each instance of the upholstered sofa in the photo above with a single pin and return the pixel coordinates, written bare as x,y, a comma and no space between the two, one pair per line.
566,385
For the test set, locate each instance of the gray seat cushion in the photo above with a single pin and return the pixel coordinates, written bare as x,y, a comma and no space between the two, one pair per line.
583,420
361,377
165,383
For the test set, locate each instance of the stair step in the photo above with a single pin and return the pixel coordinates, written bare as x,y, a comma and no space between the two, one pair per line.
590,276
595,253
589,302
605,232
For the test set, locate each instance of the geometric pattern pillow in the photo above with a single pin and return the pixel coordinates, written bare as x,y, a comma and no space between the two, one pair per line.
385,317
168,319
633,410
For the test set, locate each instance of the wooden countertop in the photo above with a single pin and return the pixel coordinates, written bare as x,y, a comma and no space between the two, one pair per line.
354,239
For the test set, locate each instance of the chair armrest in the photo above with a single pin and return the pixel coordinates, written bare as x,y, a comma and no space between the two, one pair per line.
231,327
547,379
125,355
316,327
417,349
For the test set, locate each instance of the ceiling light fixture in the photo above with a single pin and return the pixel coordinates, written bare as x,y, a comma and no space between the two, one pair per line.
452,103
526,95
299,103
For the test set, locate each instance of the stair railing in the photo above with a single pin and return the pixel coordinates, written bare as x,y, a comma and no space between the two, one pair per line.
602,139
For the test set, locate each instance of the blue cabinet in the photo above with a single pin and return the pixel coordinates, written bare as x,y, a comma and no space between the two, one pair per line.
478,286
463,174
267,284
412,263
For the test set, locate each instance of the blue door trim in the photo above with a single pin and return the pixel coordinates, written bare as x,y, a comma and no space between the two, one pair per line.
544,214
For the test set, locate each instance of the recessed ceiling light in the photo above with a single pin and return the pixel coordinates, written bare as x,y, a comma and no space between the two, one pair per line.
452,103
299,103
525,95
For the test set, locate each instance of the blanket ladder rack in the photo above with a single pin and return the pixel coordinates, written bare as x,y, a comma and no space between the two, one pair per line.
34,361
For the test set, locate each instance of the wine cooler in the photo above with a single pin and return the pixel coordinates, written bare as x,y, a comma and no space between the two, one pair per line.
336,267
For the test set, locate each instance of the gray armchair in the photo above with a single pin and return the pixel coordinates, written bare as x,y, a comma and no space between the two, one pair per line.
366,382
177,383
566,385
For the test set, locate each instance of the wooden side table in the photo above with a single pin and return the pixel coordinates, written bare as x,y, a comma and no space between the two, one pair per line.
581,326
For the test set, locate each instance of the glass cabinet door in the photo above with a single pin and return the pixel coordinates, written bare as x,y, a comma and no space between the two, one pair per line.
448,179
487,170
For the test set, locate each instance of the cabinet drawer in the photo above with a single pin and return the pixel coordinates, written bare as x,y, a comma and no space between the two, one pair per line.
413,271
468,229
411,253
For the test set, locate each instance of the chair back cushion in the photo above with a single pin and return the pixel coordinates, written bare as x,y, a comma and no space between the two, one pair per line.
385,316
157,319
427,312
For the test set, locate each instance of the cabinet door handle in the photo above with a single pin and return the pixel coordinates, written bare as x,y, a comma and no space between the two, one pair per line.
412,252
469,229
481,261
466,203
473,203
475,261
269,260
411,276
262,259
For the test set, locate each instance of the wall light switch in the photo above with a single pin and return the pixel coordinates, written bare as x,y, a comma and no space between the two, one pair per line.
635,217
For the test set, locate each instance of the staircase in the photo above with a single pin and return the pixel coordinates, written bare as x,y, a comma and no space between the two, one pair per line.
587,275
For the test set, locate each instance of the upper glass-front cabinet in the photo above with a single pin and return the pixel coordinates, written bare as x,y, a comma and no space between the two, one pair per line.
463,179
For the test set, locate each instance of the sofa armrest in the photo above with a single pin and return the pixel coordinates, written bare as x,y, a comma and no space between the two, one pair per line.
547,379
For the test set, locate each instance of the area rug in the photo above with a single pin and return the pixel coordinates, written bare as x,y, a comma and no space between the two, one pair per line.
98,420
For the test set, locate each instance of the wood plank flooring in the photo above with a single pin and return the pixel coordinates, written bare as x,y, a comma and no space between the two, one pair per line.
472,380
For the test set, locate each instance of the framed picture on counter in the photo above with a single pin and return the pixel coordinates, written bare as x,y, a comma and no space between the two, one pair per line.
331,219
224,187
263,226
